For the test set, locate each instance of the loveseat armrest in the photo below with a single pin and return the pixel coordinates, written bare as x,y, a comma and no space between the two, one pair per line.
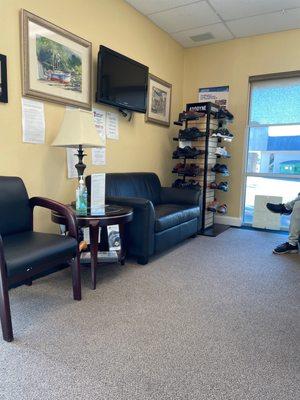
141,230
61,209
134,202
180,196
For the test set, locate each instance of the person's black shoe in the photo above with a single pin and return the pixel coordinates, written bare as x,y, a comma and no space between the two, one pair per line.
278,208
285,248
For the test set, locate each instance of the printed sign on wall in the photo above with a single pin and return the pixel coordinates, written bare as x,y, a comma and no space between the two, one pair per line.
218,95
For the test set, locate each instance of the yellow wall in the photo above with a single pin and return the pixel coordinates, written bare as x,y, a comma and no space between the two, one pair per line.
142,146
231,63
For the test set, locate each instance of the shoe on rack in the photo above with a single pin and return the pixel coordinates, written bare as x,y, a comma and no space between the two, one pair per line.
278,208
178,167
222,152
212,206
223,170
222,209
187,152
225,114
188,116
220,169
286,248
192,152
194,184
215,168
190,134
223,186
192,170
223,133
213,185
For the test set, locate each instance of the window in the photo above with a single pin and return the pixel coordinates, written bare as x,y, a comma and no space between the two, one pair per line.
273,163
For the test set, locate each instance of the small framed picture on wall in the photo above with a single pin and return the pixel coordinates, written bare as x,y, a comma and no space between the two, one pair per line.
159,101
3,79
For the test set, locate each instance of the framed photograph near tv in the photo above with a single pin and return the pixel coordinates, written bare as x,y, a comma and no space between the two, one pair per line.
159,101
57,65
3,79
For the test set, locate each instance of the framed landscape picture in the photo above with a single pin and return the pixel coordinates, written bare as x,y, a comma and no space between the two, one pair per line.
159,101
57,65
3,79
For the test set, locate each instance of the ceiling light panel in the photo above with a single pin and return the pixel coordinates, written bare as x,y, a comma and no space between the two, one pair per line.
152,6
185,17
266,23
234,9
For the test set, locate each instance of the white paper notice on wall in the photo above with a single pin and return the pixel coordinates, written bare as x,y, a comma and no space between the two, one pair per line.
100,122
262,217
99,156
71,161
112,125
33,121
97,193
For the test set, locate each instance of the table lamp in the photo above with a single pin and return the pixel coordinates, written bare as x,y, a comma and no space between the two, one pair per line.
78,130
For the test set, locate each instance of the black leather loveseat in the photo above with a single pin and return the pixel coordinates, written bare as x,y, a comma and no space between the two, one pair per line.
162,216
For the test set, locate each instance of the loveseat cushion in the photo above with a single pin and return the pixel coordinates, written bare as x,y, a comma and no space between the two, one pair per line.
169,215
144,185
31,249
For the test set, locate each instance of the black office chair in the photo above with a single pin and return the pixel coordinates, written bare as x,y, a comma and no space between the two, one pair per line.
25,253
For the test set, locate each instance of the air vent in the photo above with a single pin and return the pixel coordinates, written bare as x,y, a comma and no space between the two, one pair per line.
202,37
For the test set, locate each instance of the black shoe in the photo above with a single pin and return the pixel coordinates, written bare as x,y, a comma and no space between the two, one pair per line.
221,169
225,114
188,116
285,248
222,133
187,152
278,208
190,134
223,186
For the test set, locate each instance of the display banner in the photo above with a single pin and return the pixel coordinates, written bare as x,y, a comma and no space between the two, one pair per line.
218,95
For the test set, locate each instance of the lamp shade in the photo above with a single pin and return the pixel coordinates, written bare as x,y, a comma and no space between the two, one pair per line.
78,128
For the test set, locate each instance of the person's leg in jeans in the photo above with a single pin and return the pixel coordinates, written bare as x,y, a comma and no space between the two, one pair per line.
290,204
294,231
295,224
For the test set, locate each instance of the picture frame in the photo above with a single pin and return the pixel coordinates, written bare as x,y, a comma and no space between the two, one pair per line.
3,79
56,64
159,101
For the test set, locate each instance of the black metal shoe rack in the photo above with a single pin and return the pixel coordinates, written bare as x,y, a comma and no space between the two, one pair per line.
207,124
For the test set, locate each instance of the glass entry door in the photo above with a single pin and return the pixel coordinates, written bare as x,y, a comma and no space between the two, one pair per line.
273,159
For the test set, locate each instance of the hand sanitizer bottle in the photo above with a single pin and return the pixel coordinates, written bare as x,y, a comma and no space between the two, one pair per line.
81,197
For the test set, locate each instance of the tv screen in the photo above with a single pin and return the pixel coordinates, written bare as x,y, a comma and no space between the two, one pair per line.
121,81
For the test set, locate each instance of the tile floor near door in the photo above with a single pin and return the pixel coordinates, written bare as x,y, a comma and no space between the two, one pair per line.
212,319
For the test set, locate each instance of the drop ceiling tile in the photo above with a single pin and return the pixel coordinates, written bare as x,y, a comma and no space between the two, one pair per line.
186,17
152,6
266,23
219,31
234,9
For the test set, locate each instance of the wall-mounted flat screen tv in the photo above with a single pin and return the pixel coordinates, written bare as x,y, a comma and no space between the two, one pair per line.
121,81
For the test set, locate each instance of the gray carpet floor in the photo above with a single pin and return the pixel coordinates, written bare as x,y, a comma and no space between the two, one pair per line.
214,318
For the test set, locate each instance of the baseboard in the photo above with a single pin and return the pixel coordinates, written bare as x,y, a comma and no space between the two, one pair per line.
227,220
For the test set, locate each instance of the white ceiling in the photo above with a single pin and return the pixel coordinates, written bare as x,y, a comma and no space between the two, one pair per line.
220,19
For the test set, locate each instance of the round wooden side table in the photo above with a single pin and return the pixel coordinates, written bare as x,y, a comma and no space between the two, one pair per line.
109,215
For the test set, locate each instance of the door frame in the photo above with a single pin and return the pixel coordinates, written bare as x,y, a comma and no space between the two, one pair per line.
252,79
